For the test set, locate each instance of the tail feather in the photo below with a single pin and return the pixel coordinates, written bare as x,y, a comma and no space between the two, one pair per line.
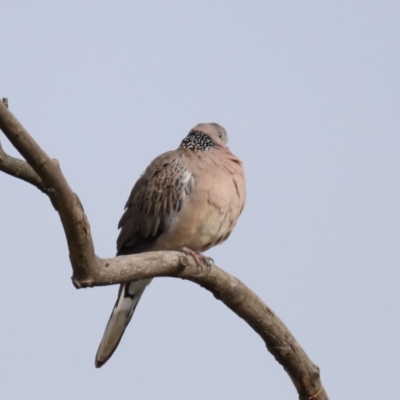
128,298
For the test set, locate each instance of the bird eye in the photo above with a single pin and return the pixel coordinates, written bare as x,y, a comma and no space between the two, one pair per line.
220,135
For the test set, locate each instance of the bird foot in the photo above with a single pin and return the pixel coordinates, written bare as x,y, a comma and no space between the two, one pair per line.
200,259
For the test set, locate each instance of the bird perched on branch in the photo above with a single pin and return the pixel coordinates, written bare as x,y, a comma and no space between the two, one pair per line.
188,199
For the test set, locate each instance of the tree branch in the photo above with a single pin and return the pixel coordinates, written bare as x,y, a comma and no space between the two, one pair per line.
91,270
18,168
68,205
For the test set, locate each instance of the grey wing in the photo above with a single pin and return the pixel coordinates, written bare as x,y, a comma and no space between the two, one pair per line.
155,200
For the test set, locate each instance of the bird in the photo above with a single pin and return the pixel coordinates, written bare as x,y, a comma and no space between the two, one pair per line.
189,200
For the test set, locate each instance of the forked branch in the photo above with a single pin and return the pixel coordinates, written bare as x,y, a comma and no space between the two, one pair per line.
90,270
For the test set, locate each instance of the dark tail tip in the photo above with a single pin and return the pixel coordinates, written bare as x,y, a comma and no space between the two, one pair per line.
98,363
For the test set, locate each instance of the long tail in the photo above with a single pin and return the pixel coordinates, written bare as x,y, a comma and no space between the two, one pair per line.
128,298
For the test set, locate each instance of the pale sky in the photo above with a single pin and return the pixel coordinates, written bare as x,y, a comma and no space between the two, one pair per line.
309,93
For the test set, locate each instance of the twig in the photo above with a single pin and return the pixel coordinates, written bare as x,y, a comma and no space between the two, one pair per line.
18,168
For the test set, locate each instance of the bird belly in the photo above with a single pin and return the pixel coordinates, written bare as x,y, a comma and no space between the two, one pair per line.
198,226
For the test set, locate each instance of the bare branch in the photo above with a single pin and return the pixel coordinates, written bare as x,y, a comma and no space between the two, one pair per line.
90,270
234,294
65,201
18,168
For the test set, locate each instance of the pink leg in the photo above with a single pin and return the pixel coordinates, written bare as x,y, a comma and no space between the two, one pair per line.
200,259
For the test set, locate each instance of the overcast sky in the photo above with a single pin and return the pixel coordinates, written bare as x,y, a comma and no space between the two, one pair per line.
309,93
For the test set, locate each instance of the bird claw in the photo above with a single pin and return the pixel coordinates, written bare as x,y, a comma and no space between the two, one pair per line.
200,259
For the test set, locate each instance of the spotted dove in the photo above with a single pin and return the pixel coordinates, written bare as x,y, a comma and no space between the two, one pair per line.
188,199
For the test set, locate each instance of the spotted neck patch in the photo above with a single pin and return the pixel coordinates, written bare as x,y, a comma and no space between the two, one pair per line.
197,141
